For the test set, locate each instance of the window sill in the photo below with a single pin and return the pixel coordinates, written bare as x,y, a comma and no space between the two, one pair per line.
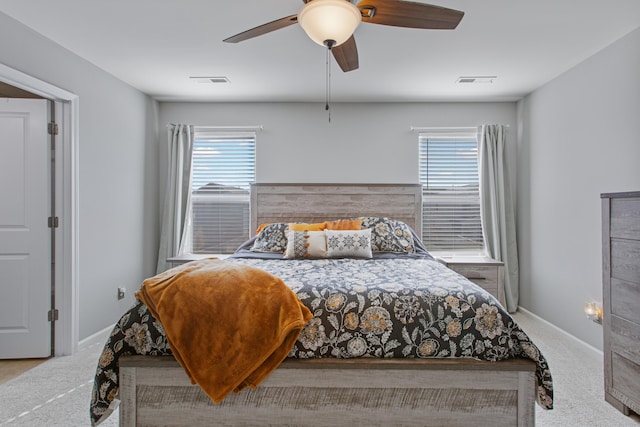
184,258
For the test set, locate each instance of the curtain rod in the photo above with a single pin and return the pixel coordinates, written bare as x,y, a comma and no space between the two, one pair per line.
446,128
241,128
253,127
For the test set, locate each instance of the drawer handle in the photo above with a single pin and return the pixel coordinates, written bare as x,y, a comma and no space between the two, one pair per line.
477,278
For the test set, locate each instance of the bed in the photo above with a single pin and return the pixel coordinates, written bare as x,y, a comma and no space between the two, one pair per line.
396,337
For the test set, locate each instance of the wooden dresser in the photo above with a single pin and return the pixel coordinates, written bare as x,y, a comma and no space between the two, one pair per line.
621,299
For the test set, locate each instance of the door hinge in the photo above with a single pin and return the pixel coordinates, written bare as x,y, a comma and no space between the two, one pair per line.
52,222
53,315
52,128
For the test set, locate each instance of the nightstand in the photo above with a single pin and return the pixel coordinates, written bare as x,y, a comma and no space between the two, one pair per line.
183,259
483,271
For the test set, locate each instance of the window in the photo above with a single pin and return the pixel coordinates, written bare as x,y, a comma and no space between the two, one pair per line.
450,191
223,167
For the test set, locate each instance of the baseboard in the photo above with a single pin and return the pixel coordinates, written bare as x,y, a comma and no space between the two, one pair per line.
546,322
99,337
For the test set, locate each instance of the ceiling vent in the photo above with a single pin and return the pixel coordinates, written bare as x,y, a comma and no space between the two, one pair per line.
210,80
476,79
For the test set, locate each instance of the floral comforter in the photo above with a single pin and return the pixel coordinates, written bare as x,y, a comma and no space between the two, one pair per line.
362,308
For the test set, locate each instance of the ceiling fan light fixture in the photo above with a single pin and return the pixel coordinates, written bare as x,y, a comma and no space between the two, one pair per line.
324,20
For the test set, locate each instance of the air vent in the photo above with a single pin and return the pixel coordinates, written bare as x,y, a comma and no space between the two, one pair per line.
210,80
476,79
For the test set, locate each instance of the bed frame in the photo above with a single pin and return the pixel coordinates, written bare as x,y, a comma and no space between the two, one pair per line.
319,202
155,391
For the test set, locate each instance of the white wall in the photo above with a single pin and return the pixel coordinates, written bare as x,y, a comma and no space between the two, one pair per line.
580,138
117,175
363,143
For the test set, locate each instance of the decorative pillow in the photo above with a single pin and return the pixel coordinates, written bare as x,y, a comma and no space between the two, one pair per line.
389,235
344,224
348,243
261,227
301,226
306,244
272,238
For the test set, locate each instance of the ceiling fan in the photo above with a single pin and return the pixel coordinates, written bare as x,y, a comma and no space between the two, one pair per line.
331,23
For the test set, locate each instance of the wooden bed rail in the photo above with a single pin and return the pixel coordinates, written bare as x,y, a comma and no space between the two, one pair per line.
155,391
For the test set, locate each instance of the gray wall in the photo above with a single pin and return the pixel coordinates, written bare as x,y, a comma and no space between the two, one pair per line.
363,143
580,138
117,174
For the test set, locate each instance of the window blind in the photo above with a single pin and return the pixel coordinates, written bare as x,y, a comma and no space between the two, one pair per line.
223,167
450,191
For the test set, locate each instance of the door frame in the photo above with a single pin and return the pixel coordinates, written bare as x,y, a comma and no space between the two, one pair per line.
66,201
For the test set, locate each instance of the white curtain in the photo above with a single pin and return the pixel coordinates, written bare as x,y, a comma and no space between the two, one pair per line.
177,194
497,208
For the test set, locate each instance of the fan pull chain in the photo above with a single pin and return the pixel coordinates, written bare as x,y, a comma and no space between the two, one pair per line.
329,44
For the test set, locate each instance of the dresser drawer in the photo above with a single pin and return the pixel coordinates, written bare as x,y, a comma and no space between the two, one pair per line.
625,218
624,338
625,260
624,300
624,384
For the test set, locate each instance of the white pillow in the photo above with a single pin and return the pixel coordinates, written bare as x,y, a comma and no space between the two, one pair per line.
306,244
349,243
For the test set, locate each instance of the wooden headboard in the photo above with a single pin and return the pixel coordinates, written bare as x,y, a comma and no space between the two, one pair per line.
320,202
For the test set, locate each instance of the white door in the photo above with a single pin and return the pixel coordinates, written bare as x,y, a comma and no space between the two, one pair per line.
25,239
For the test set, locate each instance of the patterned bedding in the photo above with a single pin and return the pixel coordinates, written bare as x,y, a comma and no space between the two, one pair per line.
399,307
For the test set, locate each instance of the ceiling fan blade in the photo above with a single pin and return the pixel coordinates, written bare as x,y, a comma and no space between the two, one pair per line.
263,29
346,55
399,13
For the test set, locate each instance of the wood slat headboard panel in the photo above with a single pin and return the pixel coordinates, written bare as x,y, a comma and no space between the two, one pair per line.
320,202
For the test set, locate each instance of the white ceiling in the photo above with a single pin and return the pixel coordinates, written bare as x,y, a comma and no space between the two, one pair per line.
156,45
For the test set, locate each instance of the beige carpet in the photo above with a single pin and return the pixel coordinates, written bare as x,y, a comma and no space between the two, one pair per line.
56,393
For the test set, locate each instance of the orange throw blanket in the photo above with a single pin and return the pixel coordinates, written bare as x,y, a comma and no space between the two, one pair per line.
228,325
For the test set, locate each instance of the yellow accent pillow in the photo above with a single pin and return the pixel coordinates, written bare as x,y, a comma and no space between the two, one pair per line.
301,226
344,224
